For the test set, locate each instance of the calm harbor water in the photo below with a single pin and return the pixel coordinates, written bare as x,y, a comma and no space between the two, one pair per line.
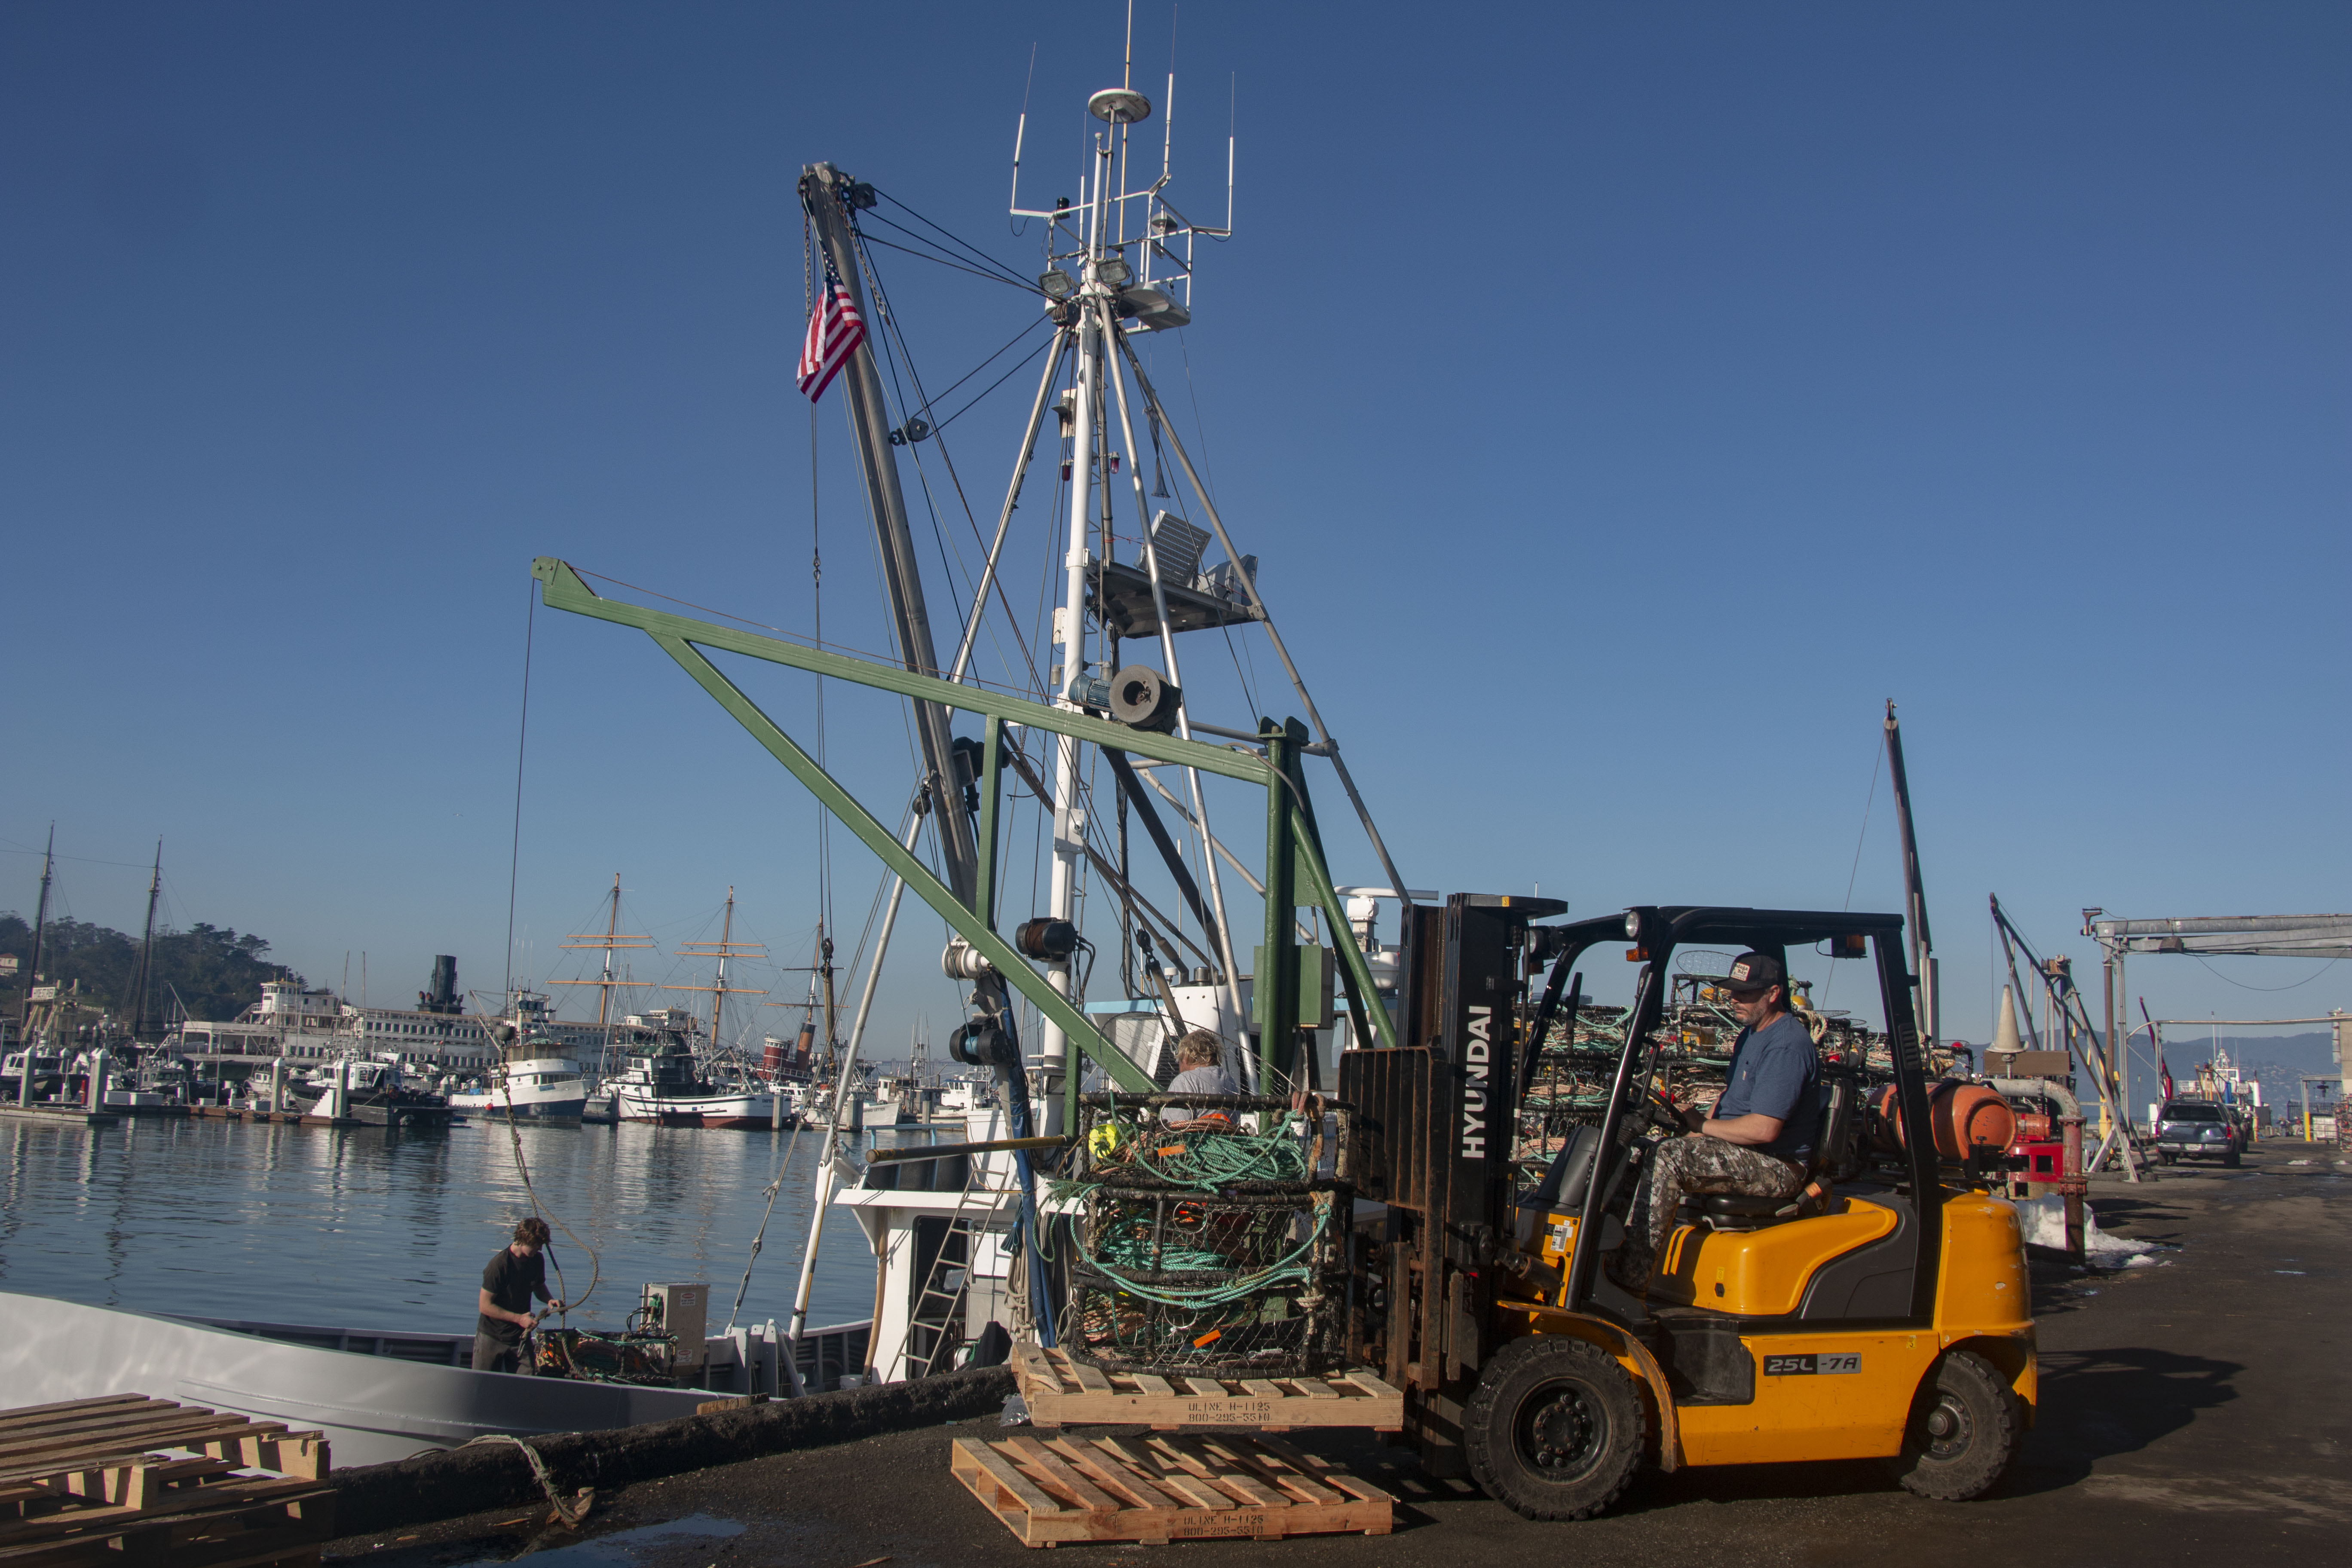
368,1229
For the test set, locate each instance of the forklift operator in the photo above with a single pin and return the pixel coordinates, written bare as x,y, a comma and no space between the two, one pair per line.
1758,1142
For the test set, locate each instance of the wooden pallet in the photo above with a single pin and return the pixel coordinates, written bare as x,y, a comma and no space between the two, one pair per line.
1062,1391
127,1480
1162,1488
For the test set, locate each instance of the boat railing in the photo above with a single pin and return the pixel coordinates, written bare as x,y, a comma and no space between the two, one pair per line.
745,1362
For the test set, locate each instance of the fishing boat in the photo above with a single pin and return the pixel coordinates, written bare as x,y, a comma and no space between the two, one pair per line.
383,1395
537,1079
666,1079
1081,736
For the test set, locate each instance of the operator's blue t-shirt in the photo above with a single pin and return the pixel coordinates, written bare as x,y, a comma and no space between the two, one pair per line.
1774,1072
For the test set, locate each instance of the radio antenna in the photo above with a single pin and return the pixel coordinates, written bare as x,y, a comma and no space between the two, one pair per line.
1021,129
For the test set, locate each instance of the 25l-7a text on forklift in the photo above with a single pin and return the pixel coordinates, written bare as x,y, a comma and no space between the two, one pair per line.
1862,1319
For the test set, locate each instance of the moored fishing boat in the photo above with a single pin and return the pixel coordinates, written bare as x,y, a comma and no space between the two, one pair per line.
537,1079
666,1083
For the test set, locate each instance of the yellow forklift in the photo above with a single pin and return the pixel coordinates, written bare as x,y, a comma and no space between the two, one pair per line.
1866,1318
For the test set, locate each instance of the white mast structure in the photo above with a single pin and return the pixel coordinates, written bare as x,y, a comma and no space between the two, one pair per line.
1106,288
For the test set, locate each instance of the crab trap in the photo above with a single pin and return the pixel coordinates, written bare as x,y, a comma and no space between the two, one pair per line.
1210,1236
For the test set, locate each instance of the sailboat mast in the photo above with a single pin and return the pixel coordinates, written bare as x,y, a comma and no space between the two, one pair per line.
40,929
147,948
718,990
611,932
824,968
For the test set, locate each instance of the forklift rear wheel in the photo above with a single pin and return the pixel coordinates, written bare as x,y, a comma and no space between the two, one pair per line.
1555,1428
1964,1431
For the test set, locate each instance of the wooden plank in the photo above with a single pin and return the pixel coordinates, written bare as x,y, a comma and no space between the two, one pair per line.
127,1435
1198,1462
1152,1384
1371,1384
194,1506
1128,1486
1273,1469
1164,1473
1313,1388
97,1455
1041,1464
1005,1475
1264,1389
1245,1487
1034,1365
1088,1375
68,1410
122,1428
1330,1474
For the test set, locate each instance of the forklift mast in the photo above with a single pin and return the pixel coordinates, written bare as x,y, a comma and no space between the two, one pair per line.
1441,1111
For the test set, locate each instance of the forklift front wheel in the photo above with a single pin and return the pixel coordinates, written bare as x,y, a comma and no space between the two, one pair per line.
1555,1428
1964,1431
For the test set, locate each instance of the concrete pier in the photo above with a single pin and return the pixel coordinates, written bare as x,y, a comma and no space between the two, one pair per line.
2196,1409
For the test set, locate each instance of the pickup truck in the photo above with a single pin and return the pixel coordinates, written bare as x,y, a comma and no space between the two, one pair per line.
2197,1129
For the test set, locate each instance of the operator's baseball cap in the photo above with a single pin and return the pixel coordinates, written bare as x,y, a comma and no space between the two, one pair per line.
1753,972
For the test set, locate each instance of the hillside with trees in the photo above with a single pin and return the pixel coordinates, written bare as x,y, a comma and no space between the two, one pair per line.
215,972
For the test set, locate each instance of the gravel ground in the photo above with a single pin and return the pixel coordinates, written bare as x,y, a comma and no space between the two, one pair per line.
2199,1409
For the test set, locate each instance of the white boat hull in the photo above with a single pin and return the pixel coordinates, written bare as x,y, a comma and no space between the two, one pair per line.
752,1112
374,1408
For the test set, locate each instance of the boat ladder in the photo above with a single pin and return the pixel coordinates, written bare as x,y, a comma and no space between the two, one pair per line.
933,1330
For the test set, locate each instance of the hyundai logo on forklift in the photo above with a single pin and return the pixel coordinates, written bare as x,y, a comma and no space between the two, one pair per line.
1477,1057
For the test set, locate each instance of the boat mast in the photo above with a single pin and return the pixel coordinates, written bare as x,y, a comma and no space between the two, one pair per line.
827,195
33,968
1069,666
139,985
718,991
611,941
611,931
824,968
725,948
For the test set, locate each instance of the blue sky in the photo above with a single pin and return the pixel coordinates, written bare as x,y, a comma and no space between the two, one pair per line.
1624,401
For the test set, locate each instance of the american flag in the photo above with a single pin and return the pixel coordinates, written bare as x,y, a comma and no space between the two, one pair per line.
835,331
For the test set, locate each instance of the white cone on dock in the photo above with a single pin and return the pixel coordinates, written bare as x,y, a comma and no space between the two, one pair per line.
2004,1034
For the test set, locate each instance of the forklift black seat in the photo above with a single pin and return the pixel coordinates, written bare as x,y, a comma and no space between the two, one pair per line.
1737,1211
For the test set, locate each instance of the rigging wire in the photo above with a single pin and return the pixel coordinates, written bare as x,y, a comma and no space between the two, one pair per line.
2241,985
889,320
522,734
760,1236
1017,367
942,261
953,236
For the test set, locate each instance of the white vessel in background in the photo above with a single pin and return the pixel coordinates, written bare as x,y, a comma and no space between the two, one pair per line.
665,1080
538,1081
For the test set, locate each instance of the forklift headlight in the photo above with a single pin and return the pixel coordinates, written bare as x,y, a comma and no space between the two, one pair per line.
1632,925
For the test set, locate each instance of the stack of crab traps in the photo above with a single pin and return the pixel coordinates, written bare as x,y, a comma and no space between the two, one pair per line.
1210,1237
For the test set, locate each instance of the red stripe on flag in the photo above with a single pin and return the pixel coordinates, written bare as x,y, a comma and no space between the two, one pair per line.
835,331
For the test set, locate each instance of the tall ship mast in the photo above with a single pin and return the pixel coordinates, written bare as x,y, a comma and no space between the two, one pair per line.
612,940
722,951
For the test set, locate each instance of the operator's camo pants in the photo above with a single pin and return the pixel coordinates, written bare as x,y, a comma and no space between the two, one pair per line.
1695,1163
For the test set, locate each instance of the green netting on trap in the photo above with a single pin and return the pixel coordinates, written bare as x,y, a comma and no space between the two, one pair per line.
1209,1238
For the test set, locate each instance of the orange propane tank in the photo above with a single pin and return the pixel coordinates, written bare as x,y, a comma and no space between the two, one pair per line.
1967,1117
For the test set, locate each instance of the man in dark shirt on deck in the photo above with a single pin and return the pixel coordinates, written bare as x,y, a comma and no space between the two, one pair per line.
1759,1142
509,1280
